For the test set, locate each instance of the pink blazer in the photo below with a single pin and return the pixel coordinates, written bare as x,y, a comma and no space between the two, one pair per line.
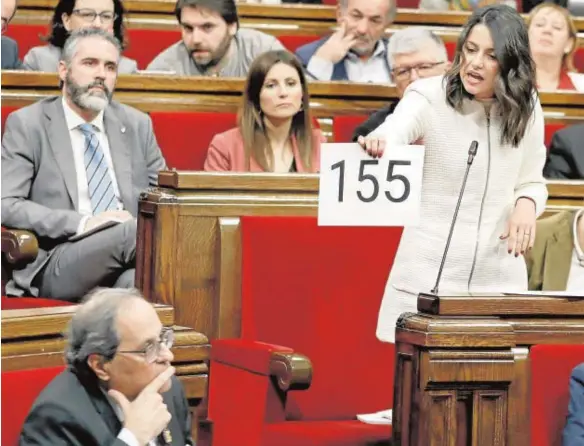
226,153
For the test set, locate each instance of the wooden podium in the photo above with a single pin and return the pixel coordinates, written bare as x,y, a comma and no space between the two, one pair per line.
462,369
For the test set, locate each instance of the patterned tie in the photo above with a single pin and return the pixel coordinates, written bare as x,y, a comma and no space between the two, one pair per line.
99,181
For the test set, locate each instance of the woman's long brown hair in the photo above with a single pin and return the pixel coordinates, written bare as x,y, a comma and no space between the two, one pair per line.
250,118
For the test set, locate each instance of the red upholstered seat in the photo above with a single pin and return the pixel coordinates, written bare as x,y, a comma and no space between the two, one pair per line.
551,367
344,126
27,35
20,389
145,44
552,127
6,110
316,291
19,303
293,42
184,137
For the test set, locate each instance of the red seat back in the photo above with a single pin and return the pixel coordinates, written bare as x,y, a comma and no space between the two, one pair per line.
293,42
28,36
184,137
20,389
6,110
551,367
19,303
145,44
344,127
552,127
318,290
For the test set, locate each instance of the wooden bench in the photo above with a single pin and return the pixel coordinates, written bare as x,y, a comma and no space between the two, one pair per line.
179,104
465,365
34,339
189,238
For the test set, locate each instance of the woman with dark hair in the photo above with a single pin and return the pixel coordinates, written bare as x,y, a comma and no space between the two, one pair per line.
274,132
71,15
488,95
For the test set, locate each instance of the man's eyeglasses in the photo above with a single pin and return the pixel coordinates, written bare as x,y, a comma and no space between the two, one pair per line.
152,350
89,15
422,69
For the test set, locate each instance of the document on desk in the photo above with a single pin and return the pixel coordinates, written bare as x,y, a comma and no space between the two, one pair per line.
578,294
101,227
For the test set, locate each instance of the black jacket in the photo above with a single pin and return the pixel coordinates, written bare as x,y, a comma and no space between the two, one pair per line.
565,159
70,412
374,121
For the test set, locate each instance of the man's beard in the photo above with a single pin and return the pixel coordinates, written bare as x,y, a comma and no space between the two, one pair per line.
84,98
214,57
365,49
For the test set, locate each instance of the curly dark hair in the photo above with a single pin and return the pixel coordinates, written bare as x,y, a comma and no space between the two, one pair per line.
59,34
515,85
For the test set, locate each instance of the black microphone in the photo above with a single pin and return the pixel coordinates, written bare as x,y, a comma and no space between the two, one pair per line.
472,151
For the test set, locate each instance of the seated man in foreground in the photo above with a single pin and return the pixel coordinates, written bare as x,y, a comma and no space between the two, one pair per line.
72,164
119,387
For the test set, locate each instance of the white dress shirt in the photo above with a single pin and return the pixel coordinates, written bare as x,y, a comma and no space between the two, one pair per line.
372,70
78,144
576,277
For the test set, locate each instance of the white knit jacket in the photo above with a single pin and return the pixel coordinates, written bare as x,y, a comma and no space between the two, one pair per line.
500,174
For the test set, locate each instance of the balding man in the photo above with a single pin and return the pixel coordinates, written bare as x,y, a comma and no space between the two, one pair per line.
414,53
357,51
10,59
119,387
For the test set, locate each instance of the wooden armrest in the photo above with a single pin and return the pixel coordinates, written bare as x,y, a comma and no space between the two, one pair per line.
19,246
292,371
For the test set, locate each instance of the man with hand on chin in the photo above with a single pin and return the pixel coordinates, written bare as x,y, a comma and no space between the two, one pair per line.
118,388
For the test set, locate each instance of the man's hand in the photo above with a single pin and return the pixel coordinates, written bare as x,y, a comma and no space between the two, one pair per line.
337,46
102,217
146,416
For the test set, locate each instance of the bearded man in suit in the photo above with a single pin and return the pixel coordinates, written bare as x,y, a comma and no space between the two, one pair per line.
73,167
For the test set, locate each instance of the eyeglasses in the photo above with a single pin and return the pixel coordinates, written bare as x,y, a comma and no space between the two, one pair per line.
89,15
422,69
152,350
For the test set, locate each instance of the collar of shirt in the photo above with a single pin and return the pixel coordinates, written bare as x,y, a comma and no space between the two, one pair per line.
379,51
74,120
579,253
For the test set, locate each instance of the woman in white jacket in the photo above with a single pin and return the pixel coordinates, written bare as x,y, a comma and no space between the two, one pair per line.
489,95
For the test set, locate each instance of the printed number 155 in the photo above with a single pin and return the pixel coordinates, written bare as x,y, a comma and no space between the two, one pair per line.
369,177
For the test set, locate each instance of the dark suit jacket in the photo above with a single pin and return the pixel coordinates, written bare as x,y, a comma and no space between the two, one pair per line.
305,53
574,430
39,183
10,54
566,156
374,121
71,412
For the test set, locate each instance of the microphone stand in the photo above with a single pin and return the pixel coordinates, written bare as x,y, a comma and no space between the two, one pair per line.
472,151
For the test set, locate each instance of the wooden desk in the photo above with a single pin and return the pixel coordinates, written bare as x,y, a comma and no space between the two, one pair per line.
155,92
189,254
462,372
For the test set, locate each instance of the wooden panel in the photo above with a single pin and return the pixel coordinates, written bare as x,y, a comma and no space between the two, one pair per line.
440,410
490,414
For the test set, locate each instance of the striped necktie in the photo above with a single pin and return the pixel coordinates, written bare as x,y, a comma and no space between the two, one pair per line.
99,180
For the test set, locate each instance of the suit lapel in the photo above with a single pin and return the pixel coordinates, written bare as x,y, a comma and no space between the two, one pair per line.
558,257
118,135
60,143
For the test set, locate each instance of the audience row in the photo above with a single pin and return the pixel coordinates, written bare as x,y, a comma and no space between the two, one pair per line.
213,43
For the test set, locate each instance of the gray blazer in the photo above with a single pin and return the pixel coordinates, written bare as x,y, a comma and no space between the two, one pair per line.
10,54
39,183
46,58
